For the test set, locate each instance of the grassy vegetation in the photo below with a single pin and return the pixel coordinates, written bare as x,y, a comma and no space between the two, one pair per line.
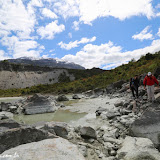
100,80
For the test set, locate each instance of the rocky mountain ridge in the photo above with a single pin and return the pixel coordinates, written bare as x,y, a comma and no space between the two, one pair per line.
48,62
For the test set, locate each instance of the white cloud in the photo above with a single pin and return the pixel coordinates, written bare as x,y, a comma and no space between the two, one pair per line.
16,18
108,55
26,48
143,35
50,30
158,32
70,35
36,3
89,10
76,25
48,13
76,43
52,50
3,56
158,5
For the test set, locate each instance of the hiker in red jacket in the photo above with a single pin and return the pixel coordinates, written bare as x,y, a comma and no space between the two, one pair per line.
149,82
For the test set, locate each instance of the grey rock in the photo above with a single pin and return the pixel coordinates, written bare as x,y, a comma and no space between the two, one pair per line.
38,104
13,109
156,90
6,115
100,110
5,106
157,97
17,136
119,103
62,98
112,114
148,126
138,149
9,124
98,91
49,149
88,132
58,128
75,96
89,93
83,150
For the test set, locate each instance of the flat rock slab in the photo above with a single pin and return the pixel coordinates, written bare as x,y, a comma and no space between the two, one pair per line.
148,126
138,149
49,149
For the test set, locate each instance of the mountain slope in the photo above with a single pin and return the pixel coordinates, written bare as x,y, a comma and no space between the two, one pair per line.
50,62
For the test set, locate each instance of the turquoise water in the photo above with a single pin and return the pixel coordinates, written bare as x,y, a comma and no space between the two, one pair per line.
58,116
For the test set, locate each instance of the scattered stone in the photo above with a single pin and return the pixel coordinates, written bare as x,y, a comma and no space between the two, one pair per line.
112,153
57,128
89,93
75,96
138,149
112,114
98,91
49,149
100,110
62,105
156,90
88,132
62,98
13,109
9,123
83,150
6,115
5,106
119,103
157,97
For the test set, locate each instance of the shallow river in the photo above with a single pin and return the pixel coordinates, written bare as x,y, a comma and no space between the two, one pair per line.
59,116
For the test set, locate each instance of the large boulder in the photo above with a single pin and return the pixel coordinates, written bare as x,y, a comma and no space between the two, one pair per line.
148,126
17,136
38,104
138,149
88,132
58,128
49,149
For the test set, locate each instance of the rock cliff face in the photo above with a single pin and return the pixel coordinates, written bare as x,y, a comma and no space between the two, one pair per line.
22,79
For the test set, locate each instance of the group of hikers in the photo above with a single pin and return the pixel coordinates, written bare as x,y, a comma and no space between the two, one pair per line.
148,82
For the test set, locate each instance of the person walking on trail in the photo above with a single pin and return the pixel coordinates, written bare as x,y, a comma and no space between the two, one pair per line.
134,84
149,82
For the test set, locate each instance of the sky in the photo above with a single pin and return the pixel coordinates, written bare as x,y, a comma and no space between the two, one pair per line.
91,33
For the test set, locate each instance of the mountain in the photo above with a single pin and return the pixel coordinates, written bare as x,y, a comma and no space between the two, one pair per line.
50,62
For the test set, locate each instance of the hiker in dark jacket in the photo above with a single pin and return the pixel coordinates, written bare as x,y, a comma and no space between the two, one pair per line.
134,84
